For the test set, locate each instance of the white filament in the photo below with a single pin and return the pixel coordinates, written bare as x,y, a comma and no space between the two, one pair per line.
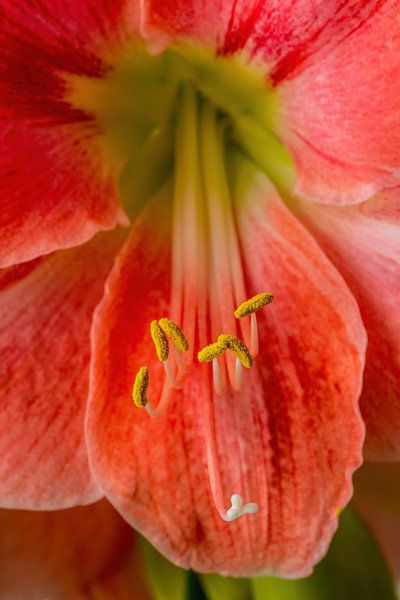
253,335
168,372
238,375
217,378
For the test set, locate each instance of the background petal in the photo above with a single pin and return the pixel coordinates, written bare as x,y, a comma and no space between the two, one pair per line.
289,440
56,189
341,115
80,553
46,311
283,33
335,64
363,241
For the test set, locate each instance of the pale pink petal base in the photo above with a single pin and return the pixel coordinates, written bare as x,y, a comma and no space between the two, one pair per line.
289,440
364,243
76,554
46,311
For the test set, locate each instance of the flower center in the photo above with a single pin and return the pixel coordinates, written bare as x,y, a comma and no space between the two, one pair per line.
182,120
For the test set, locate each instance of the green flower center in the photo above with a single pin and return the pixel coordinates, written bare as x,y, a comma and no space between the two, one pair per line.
138,108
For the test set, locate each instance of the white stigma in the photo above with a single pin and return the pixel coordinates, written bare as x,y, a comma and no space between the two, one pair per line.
238,508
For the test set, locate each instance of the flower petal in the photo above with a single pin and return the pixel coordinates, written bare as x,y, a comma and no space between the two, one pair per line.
288,441
283,32
45,317
56,191
335,64
65,554
363,241
340,115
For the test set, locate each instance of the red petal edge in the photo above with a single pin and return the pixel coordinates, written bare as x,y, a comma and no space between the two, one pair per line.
46,311
363,241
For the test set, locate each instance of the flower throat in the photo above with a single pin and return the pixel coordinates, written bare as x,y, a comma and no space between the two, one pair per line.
182,122
209,292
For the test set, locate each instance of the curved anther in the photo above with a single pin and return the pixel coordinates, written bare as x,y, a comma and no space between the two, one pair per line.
159,330
160,341
175,334
249,308
253,304
208,353
140,385
238,347
212,351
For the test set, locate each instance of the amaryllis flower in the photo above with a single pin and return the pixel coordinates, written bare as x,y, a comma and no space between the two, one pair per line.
163,162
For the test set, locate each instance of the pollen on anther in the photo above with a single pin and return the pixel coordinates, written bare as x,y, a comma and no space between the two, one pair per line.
253,304
208,353
238,347
175,334
140,385
160,341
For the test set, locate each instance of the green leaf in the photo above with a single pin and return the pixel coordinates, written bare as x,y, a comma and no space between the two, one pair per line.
352,570
165,580
217,587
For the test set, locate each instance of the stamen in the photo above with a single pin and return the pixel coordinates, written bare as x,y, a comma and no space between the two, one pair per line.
208,353
253,304
160,341
175,334
211,353
238,347
217,378
159,330
250,307
140,385
238,508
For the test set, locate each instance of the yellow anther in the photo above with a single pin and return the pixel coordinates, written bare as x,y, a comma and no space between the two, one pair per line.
175,334
253,304
160,341
208,353
238,347
141,383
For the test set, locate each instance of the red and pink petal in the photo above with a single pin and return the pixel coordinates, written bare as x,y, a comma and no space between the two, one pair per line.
46,309
288,441
363,242
340,112
56,191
